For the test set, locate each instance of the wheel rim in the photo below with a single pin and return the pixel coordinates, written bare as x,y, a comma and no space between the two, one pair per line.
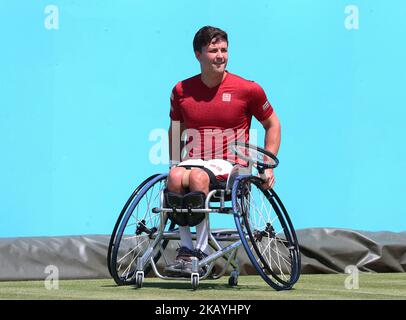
267,237
120,217
135,233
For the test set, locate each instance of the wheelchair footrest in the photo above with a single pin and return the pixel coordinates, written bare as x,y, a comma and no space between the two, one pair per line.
174,200
194,200
189,201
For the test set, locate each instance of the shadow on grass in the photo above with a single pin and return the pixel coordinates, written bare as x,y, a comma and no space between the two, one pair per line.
207,289
168,285
204,285
172,285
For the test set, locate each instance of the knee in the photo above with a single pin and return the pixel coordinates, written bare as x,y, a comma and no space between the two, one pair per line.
198,176
175,175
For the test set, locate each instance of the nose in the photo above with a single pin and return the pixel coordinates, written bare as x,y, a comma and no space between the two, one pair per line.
219,55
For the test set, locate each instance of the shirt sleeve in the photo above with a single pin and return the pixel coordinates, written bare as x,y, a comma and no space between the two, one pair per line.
175,112
258,104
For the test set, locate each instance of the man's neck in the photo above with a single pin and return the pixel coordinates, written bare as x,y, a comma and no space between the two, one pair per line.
213,80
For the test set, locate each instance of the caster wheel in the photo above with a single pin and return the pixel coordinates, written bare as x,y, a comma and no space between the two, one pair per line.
195,281
139,279
233,280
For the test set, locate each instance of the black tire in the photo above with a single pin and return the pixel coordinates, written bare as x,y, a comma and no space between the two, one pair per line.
195,282
132,233
233,281
266,232
123,211
139,280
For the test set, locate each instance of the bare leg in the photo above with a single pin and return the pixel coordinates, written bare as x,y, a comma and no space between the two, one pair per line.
199,181
175,180
175,184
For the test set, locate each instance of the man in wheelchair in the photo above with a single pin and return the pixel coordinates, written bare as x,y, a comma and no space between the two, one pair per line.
207,108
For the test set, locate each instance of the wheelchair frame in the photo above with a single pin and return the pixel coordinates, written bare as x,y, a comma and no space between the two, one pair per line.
155,251
222,252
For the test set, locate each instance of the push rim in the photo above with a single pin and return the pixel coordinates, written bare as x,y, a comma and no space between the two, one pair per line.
259,157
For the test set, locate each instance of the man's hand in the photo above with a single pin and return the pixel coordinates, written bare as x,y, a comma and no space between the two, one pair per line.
269,179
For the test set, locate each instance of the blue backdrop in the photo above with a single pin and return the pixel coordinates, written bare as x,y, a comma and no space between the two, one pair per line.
83,84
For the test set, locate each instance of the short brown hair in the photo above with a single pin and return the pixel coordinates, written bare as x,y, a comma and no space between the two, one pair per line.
206,35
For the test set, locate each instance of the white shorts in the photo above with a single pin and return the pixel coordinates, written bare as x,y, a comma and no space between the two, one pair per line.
220,168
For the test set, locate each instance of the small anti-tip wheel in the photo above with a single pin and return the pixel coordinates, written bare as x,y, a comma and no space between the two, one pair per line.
195,281
233,280
139,279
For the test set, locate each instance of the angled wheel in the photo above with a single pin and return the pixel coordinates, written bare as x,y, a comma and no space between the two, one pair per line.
135,231
266,232
120,217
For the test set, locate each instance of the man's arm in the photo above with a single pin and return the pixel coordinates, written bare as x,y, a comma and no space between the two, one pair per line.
272,128
175,132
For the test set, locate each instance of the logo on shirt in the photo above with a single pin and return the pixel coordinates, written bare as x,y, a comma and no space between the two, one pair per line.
265,106
226,97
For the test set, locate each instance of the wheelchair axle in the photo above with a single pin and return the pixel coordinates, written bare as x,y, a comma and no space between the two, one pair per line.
268,232
141,227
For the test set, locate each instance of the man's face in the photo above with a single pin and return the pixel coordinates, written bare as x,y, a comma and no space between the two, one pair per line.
214,57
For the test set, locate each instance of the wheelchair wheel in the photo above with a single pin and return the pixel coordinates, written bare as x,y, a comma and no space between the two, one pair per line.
233,279
123,211
135,230
139,280
266,232
194,281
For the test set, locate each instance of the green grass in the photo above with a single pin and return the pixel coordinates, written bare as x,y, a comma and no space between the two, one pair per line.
330,286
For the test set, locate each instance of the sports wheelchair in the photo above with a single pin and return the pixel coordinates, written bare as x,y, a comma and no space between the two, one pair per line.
144,229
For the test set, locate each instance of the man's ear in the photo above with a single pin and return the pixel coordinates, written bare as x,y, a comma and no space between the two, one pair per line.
197,55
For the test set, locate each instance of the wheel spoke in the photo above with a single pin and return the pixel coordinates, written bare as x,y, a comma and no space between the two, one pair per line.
135,230
270,243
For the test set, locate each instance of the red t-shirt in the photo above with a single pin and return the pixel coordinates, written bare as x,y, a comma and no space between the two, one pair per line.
218,115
